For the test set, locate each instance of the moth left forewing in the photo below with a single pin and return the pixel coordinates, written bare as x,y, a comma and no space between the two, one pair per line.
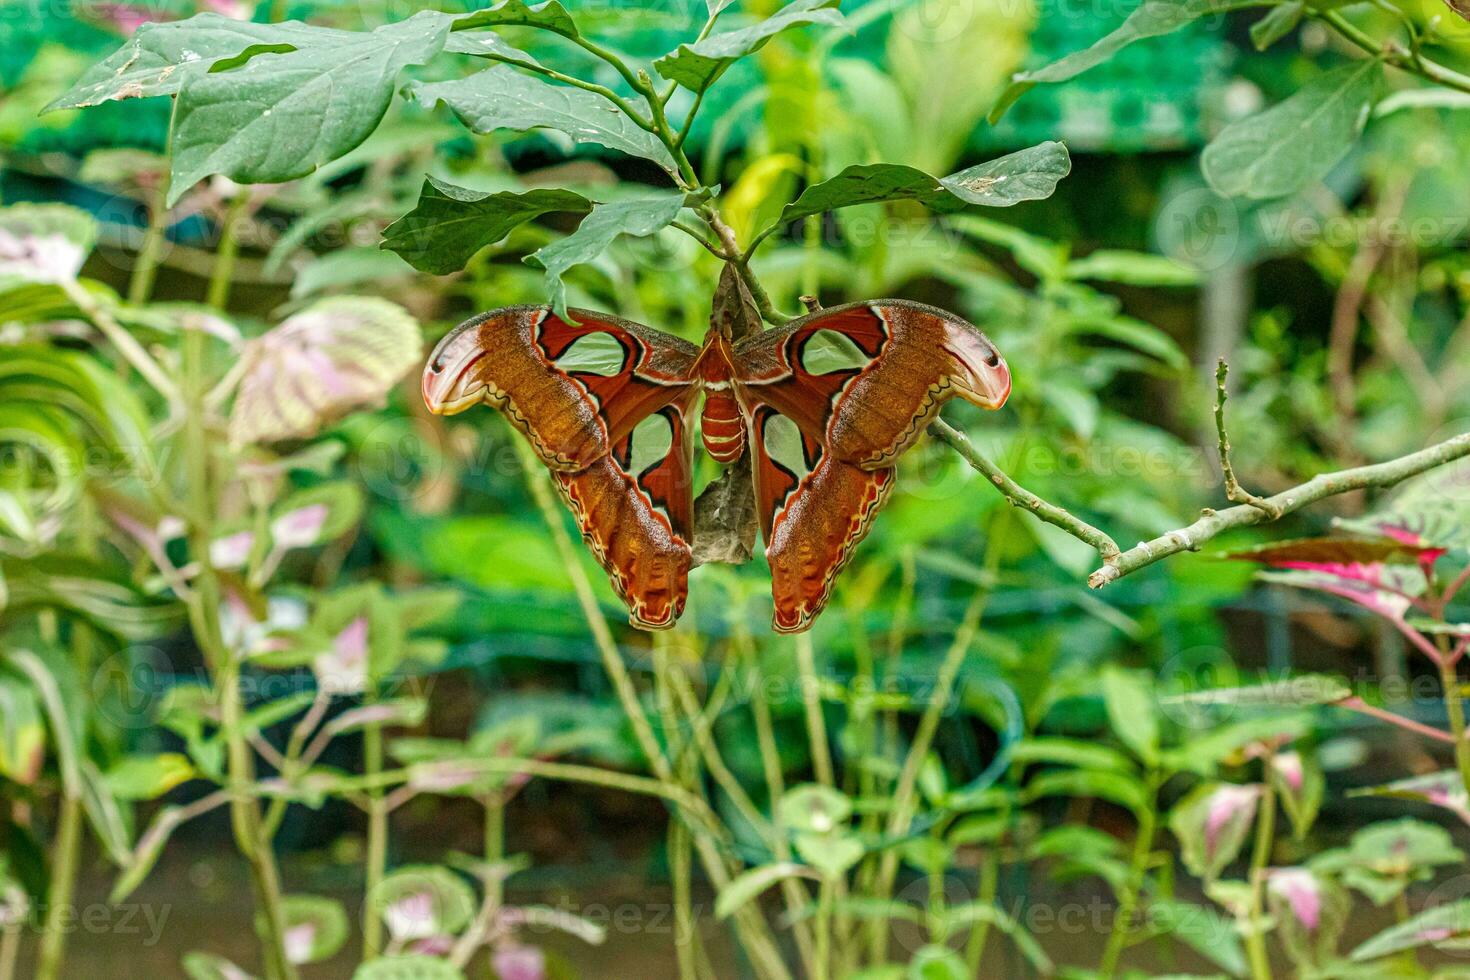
605,403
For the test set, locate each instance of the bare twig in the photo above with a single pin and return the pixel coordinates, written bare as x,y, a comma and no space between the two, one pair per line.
1318,488
1019,496
1233,489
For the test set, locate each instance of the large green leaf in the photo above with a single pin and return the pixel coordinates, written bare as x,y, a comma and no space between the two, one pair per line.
503,98
336,355
640,216
1152,18
1132,712
747,886
43,243
1026,175
450,224
697,66
1448,923
282,115
1280,151
160,58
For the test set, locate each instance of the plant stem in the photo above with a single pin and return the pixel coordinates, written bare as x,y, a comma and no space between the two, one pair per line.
754,930
680,853
1394,54
1143,845
1454,707
811,700
903,794
495,846
140,283
9,950
760,709
59,907
1255,938
1325,485
1019,496
823,957
376,866
203,606
221,278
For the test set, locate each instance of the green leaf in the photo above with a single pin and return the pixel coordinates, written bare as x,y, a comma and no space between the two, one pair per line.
1026,175
747,886
814,809
1071,752
146,777
338,354
1300,785
412,967
937,963
316,928
1152,18
1299,691
1118,788
1296,142
22,731
160,58
1132,712
503,98
317,514
280,116
208,966
698,66
1212,823
43,243
1278,22
419,901
640,216
1440,923
1204,930
832,855
1132,268
450,224
969,913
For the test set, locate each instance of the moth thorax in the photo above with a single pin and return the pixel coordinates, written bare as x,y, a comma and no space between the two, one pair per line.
722,427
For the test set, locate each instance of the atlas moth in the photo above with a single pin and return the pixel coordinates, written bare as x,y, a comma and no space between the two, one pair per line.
824,405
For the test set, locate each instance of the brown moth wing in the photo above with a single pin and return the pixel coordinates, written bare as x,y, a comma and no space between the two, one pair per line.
813,510
866,378
573,390
605,403
635,509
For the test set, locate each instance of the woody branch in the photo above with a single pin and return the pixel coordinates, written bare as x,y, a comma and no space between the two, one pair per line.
1212,523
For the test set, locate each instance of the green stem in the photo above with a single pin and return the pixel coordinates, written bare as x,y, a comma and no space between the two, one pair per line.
680,870
765,734
9,950
811,700
203,605
1455,709
980,934
376,867
59,907
145,269
1395,54
823,956
1255,938
221,277
1143,845
495,847
754,930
